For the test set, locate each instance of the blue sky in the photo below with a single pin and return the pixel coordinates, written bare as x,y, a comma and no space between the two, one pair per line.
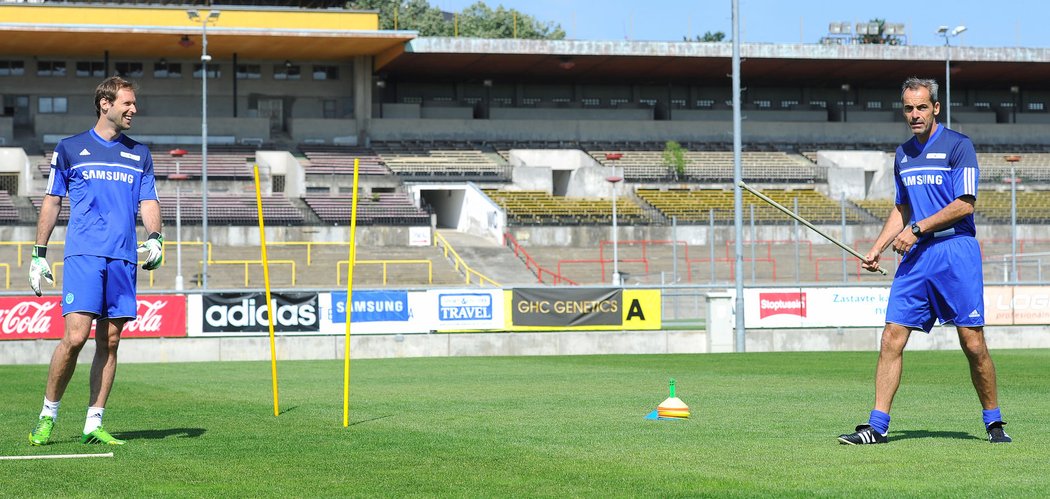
1008,23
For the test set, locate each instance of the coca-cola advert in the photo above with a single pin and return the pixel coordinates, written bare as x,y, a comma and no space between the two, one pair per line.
31,317
249,313
158,316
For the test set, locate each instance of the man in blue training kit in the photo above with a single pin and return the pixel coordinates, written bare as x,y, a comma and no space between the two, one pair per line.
108,179
940,276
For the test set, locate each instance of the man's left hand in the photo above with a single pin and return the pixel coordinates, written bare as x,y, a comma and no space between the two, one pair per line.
154,249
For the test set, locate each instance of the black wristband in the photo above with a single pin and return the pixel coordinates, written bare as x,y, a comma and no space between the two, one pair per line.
154,235
40,251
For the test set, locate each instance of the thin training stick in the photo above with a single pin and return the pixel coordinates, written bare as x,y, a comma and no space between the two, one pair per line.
805,222
57,456
269,300
350,296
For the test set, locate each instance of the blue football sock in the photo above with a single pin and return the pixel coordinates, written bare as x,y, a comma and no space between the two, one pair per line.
879,421
991,416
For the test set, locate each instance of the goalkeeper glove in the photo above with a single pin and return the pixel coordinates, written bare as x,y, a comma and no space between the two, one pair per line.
39,268
154,249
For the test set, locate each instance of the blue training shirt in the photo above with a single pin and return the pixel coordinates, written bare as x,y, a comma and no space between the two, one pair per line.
104,181
930,176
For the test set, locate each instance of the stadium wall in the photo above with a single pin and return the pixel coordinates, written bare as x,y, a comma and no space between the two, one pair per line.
162,130
539,236
389,129
140,350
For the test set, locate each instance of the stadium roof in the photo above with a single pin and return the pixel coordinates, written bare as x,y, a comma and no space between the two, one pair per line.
809,65
166,31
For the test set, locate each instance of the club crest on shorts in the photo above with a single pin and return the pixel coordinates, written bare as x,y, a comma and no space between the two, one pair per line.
69,297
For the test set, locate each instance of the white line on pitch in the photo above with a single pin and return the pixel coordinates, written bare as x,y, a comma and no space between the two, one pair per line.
58,456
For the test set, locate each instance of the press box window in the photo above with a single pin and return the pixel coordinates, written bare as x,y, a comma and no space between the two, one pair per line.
213,71
286,72
326,73
52,105
129,69
91,69
163,70
12,68
50,68
249,72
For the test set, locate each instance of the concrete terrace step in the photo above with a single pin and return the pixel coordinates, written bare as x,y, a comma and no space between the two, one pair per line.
489,258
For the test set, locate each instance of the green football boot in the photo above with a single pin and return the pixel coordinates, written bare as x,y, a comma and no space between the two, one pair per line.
42,433
100,436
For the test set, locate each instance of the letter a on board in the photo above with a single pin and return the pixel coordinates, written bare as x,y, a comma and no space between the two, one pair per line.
635,310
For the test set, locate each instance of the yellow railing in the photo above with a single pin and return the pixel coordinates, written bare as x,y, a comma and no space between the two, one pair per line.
7,270
19,244
339,267
309,246
246,263
460,265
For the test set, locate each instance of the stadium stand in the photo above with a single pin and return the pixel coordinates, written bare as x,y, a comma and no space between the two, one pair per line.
394,208
442,160
224,162
1033,207
541,208
695,205
223,208
322,159
1032,166
717,166
8,210
877,208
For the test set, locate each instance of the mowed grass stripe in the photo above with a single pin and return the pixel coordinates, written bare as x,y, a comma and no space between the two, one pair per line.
762,424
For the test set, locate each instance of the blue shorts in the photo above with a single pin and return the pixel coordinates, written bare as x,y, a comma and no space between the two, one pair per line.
939,280
98,285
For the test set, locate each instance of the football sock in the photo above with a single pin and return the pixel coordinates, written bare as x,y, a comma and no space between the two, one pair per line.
50,408
879,421
991,416
94,419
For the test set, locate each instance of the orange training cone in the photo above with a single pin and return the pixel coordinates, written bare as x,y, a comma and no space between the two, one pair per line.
672,407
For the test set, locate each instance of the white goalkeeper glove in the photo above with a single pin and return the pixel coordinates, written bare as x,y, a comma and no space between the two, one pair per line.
154,249
39,268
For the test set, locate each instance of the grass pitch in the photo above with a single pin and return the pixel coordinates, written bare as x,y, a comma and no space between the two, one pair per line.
763,424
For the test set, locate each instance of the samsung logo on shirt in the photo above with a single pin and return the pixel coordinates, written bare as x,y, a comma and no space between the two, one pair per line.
109,175
932,155
925,179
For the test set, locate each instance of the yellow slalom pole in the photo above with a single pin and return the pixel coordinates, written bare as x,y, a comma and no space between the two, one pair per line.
269,301
349,298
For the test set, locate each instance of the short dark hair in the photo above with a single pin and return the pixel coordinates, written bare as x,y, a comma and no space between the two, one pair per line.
108,90
915,83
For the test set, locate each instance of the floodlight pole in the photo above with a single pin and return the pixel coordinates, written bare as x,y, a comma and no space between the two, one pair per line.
948,82
178,178
1013,216
613,180
204,20
738,197
944,32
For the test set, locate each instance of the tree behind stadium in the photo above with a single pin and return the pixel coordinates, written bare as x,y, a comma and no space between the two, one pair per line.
476,21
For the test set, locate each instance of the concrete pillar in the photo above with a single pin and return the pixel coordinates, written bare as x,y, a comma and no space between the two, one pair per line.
362,81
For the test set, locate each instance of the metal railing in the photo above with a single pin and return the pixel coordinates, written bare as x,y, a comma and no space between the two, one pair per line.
246,263
460,264
384,263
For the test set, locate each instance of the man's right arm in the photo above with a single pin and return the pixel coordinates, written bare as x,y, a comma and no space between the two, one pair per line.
48,218
38,267
895,223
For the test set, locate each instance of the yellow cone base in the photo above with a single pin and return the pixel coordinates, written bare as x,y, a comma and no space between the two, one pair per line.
672,414
673,407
